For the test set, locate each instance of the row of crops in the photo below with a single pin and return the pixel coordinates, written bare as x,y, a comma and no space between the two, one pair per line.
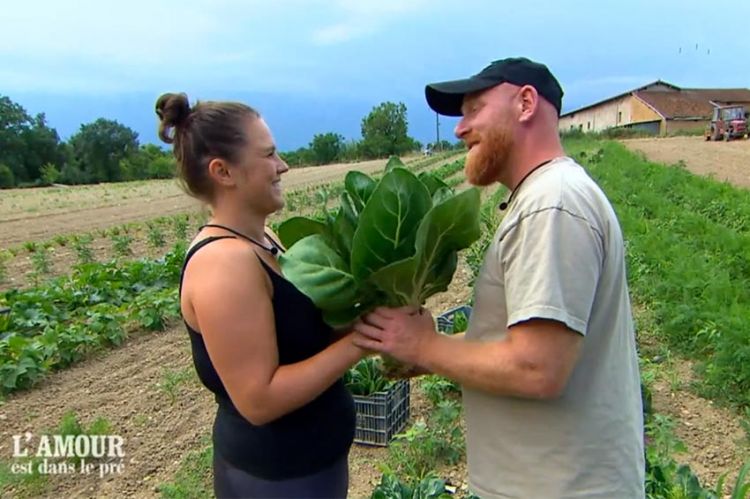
688,266
62,320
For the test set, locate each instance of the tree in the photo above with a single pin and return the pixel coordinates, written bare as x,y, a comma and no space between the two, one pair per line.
150,161
384,131
26,143
50,174
326,148
43,147
300,157
350,151
6,177
99,147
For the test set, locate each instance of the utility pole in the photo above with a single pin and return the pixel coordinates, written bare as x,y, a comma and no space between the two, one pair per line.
437,131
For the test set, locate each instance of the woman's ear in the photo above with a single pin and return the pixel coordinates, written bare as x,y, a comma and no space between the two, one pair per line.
220,173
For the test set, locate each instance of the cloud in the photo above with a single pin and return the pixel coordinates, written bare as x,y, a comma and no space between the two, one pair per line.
106,47
363,18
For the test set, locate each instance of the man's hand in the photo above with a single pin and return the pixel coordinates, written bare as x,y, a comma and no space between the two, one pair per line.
403,333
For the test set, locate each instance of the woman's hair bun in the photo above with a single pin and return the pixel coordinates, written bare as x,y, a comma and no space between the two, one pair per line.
173,111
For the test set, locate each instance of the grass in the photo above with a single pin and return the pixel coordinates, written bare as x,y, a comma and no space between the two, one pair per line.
194,478
688,251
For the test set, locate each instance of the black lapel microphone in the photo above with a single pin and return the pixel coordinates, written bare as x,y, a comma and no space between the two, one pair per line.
504,205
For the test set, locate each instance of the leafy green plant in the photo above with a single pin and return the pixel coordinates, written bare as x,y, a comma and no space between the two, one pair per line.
193,478
430,487
172,379
180,224
460,322
59,323
121,244
30,246
741,489
61,240
391,242
422,448
4,259
41,261
70,425
366,377
82,247
155,236
437,388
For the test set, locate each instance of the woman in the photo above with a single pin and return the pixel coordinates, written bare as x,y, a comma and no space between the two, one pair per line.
285,421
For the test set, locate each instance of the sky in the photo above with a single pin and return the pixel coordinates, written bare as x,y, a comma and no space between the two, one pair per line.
314,66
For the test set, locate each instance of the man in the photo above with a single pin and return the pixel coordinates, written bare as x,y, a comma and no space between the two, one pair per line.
548,366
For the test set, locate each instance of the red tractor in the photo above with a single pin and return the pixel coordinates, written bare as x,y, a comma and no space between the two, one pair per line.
727,122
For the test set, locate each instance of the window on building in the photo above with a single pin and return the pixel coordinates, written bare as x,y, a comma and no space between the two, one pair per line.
580,127
619,117
588,125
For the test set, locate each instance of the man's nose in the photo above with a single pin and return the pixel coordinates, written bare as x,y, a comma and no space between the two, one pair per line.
461,129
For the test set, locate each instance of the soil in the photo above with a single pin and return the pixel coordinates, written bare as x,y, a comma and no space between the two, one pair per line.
40,221
726,161
123,386
715,441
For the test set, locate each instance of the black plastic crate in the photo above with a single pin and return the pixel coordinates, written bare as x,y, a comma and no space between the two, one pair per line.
382,415
445,320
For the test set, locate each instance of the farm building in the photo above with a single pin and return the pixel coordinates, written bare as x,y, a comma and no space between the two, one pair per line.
659,108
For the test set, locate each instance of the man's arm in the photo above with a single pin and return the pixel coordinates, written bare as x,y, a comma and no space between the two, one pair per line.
535,360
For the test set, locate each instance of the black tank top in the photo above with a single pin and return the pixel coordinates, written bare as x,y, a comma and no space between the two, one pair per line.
304,441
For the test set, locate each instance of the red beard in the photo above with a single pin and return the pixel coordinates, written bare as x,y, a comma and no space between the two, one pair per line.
486,163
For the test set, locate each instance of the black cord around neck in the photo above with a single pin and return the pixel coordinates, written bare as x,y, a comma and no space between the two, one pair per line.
273,249
504,205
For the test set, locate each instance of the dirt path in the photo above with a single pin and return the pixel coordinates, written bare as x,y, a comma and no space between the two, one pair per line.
728,161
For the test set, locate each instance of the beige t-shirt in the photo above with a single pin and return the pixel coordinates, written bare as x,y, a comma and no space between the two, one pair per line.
558,254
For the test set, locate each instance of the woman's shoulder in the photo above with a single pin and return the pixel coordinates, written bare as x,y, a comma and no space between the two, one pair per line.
270,232
224,258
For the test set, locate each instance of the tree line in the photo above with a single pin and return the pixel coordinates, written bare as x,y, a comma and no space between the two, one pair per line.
32,153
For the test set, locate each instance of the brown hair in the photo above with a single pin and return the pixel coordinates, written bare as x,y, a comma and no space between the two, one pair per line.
199,134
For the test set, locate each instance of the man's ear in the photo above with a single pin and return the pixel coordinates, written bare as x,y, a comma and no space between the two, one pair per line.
529,103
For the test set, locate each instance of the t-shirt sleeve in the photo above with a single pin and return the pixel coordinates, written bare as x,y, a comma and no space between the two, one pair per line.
552,261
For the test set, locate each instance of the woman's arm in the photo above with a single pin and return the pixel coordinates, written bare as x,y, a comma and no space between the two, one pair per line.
233,308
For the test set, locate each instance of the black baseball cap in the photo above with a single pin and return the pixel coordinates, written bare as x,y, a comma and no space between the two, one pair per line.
447,97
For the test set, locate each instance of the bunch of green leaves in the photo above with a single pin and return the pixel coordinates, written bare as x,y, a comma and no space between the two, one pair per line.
366,377
392,242
391,487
